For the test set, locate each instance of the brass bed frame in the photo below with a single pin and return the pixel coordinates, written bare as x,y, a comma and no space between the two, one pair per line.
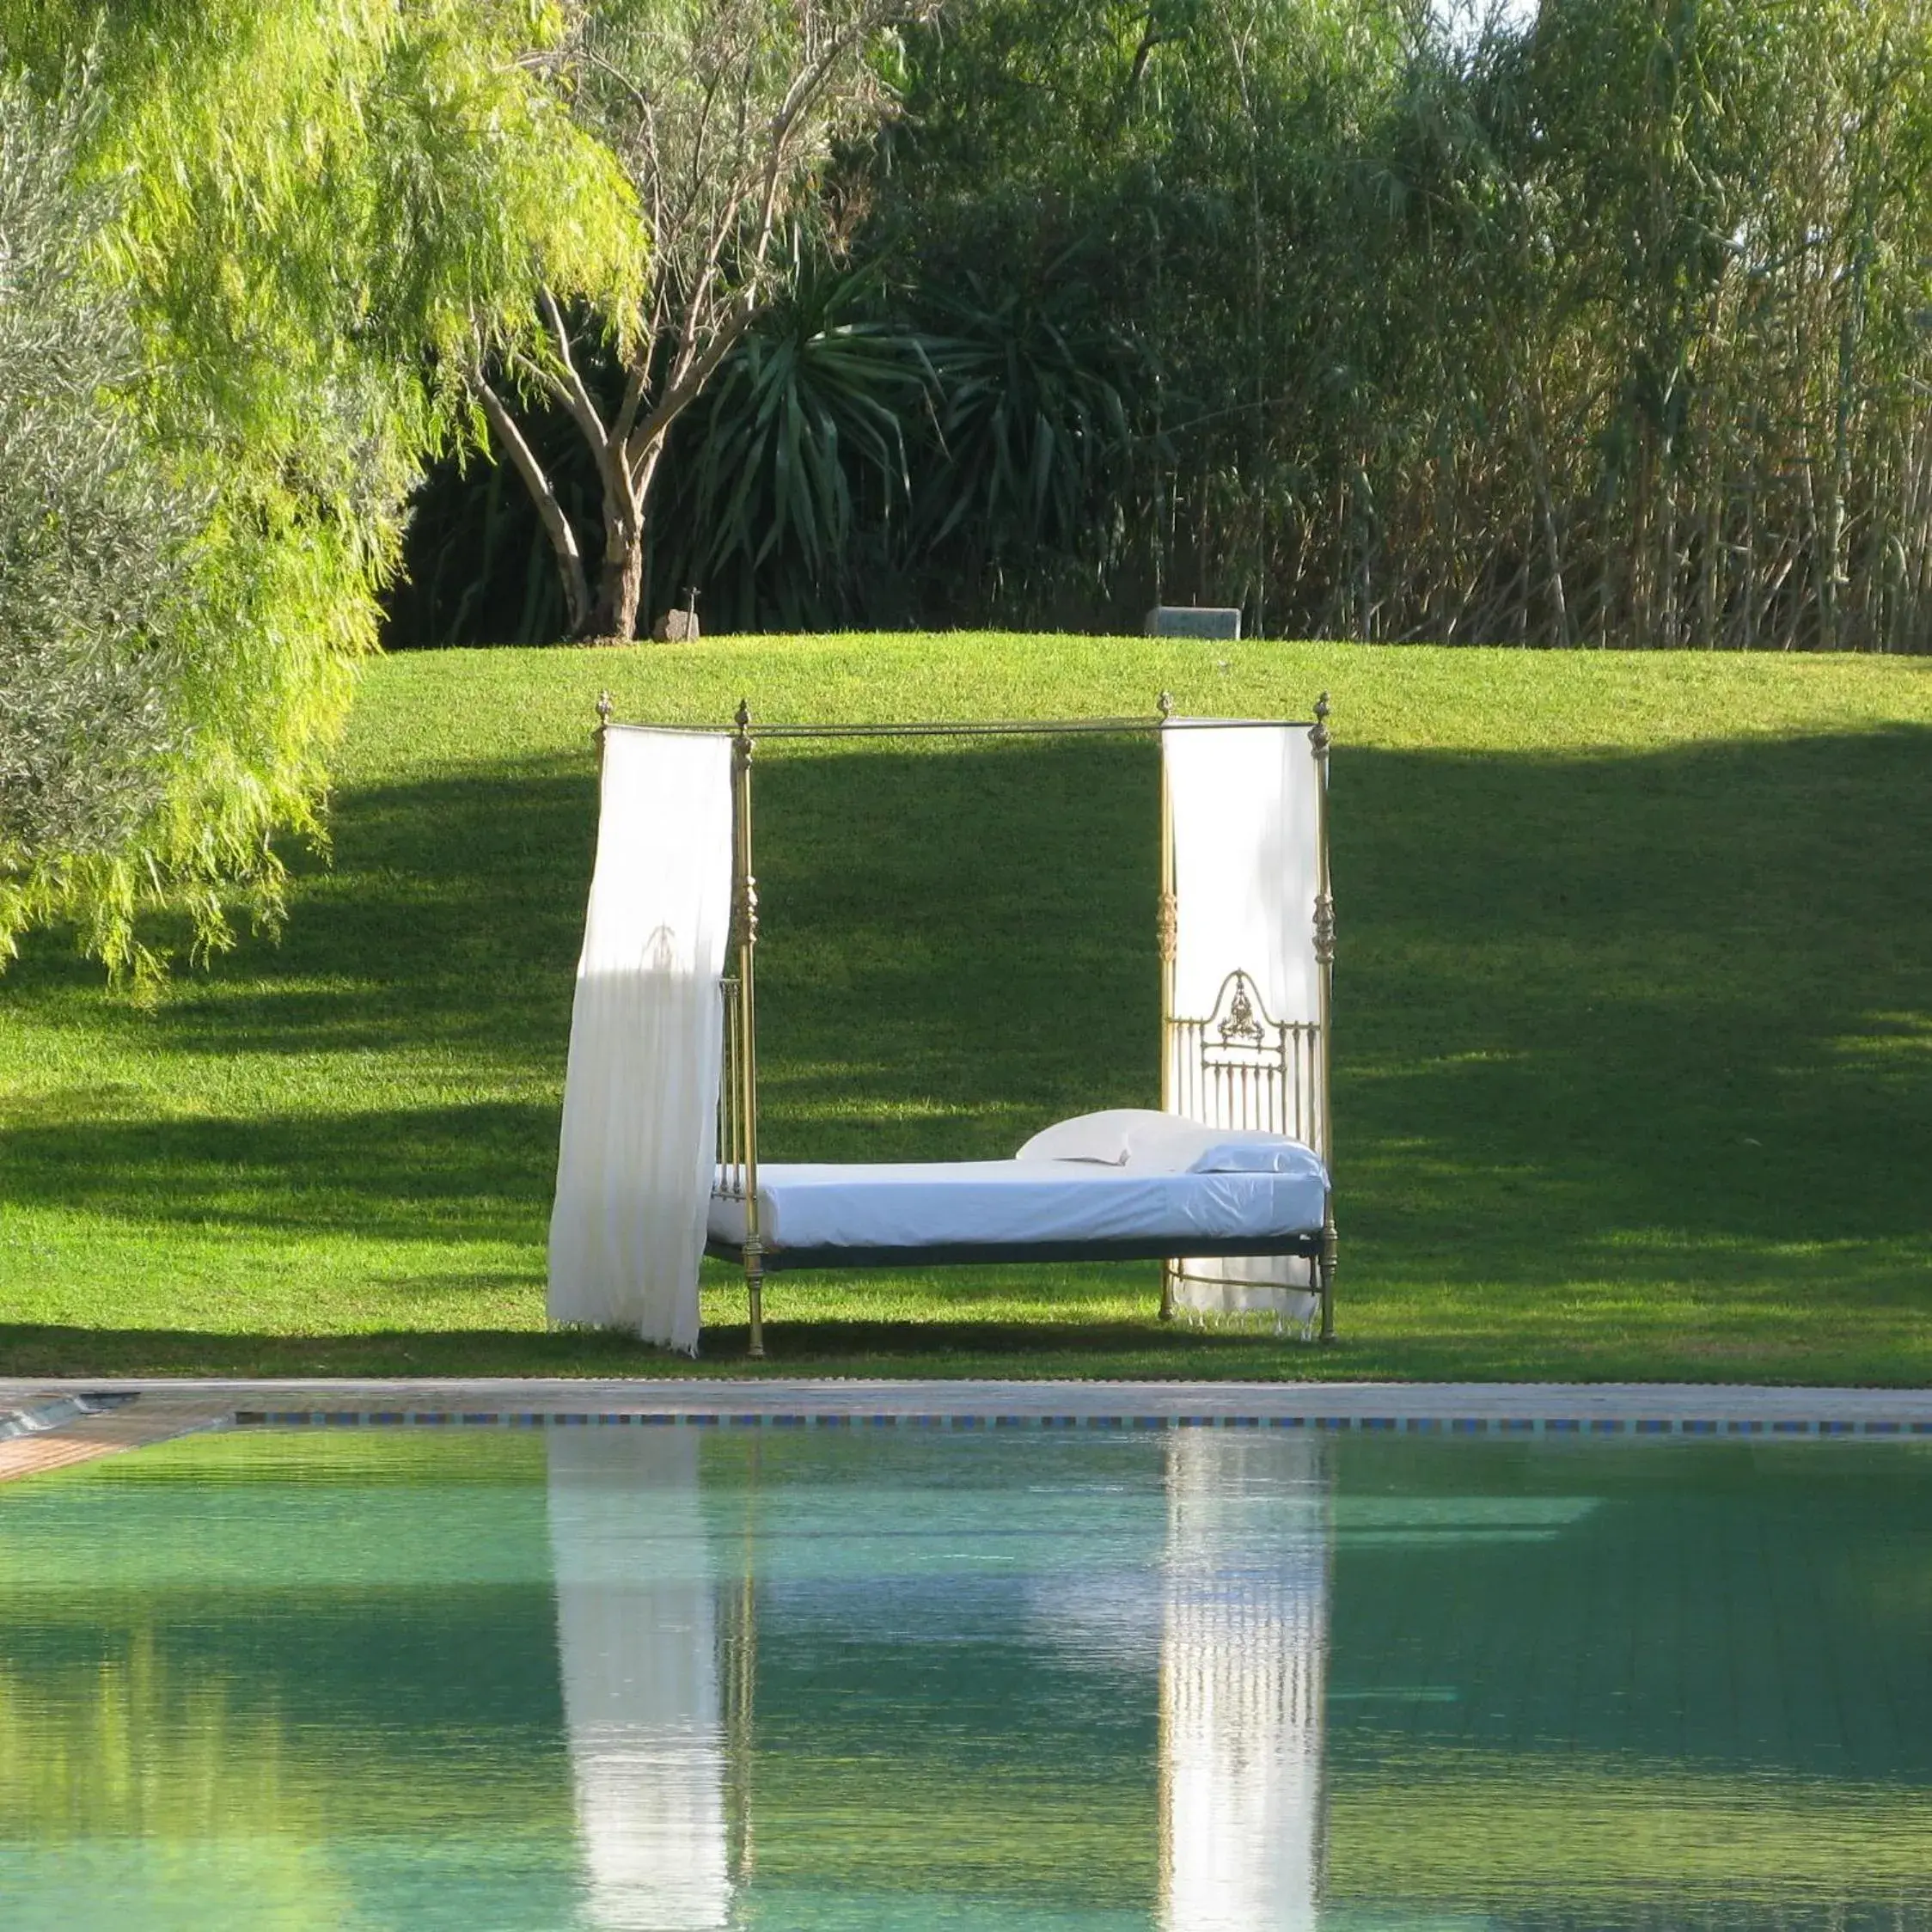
1234,1067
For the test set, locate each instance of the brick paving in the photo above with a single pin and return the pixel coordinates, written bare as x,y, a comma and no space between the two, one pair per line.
56,1433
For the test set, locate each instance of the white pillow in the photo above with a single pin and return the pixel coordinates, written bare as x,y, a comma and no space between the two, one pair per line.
1144,1139
1105,1138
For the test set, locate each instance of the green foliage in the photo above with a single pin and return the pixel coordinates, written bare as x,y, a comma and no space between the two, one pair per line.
309,201
1033,433
1609,329
1648,1105
96,570
722,115
804,430
850,456
848,448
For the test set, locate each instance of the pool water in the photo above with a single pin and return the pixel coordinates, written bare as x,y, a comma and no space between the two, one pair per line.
1203,1681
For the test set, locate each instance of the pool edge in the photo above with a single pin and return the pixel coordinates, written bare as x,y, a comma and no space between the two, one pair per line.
155,1410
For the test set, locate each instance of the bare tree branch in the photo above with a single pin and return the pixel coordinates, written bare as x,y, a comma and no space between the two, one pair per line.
577,398
679,396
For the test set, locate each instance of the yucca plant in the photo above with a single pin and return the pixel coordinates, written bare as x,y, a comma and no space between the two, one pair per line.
802,437
1034,429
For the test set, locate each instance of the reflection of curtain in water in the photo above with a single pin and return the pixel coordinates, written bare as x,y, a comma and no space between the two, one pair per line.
636,1627
1244,1639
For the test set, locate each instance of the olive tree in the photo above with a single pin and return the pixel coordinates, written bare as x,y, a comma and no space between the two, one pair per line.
97,538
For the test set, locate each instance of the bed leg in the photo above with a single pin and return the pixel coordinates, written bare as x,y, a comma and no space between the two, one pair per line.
755,1296
1167,1291
1326,1271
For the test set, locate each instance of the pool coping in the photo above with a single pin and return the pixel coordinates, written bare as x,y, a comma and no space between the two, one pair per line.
59,1421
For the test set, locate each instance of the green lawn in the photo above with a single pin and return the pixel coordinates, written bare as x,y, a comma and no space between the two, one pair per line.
1633,1045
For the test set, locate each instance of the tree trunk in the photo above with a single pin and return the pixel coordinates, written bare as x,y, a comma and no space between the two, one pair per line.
619,582
626,497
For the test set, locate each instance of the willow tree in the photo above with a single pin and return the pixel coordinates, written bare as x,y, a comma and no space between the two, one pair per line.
319,214
724,115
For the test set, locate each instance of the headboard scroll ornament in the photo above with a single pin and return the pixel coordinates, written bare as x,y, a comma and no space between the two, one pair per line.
1239,1024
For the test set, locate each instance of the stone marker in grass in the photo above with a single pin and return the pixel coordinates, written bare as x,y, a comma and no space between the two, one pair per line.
1220,622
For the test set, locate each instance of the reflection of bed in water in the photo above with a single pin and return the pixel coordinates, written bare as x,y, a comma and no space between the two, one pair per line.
642,1610
1242,1659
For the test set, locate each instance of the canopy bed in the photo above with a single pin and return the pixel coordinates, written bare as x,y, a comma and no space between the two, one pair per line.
1226,1183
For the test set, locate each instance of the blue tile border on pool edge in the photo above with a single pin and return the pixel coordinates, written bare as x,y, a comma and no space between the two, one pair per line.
1499,1428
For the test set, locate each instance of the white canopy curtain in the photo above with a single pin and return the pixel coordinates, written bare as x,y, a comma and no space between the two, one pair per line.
1245,804
638,1640
635,1163
1243,1673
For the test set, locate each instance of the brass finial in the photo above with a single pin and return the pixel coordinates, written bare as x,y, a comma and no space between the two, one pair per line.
743,715
604,709
1164,705
1319,737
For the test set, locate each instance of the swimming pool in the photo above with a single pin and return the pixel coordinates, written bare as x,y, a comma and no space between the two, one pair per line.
678,1677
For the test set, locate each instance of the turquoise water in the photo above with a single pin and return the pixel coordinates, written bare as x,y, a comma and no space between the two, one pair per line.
1209,1681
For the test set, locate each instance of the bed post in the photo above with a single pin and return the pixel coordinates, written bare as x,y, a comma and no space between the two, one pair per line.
1168,929
744,908
1324,988
602,731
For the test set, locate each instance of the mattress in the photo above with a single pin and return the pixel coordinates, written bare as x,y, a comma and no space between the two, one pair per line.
1017,1203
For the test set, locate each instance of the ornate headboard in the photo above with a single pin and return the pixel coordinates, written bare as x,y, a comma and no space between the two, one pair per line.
1237,1068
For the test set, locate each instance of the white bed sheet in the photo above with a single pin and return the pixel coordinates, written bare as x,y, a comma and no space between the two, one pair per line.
937,1204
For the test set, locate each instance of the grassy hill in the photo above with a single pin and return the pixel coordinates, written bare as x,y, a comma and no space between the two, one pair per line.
1634,1046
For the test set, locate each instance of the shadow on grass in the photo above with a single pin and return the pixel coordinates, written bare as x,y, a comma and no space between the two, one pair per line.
1596,1009
480,1173
818,1347
913,907
860,1348
1608,1022
27,1350
1138,1351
